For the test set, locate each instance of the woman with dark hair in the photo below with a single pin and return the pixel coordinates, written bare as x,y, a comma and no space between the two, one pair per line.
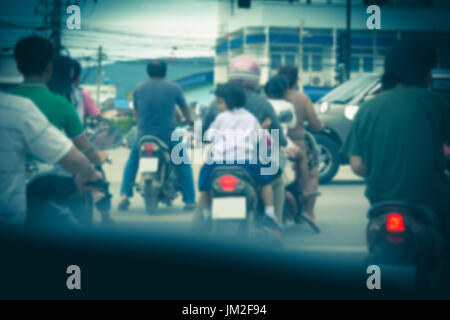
61,83
83,101
61,79
64,82
304,112
276,90
89,107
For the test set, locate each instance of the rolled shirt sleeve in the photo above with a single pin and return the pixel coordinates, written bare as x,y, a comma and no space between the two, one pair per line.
73,125
352,145
181,101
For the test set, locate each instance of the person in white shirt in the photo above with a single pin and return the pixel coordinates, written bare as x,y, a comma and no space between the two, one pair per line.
234,135
25,130
276,89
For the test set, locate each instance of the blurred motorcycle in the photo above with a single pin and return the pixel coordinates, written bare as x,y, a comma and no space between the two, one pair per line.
237,207
157,177
408,237
53,197
293,207
103,135
54,201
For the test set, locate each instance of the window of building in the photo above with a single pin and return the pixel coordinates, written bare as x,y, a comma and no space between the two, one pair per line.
276,49
293,49
316,63
305,62
275,61
355,64
368,64
289,60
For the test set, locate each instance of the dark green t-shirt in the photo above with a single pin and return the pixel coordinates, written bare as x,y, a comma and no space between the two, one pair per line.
59,112
400,135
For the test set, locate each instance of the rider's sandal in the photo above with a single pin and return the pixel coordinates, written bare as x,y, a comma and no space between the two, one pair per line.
311,195
310,222
124,204
190,207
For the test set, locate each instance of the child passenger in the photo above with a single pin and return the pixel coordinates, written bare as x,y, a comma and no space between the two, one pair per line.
276,89
234,135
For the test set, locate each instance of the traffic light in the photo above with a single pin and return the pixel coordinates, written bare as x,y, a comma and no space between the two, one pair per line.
342,58
375,2
341,48
339,73
245,4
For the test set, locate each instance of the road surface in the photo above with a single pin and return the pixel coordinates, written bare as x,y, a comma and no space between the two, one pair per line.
341,212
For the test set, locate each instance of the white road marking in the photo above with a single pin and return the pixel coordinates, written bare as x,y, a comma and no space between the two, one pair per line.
315,248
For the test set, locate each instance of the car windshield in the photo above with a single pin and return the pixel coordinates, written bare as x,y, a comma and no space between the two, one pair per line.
349,89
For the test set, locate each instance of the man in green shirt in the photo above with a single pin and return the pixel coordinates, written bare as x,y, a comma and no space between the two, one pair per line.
396,141
34,60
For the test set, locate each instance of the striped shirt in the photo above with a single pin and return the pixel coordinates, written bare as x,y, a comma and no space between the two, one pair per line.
23,129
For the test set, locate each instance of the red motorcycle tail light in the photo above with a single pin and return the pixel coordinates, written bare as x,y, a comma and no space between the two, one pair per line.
395,223
149,149
228,182
446,150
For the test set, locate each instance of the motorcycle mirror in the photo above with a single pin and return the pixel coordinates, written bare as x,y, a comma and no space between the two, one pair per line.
106,136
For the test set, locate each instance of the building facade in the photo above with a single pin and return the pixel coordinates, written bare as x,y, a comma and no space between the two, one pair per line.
308,35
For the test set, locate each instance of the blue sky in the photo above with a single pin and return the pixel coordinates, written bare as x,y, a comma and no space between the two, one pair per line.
125,29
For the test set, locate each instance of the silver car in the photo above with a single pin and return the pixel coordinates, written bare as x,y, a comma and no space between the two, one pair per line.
338,108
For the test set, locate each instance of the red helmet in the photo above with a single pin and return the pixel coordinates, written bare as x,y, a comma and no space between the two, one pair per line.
244,68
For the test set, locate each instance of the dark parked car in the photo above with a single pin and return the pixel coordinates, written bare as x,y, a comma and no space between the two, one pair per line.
337,110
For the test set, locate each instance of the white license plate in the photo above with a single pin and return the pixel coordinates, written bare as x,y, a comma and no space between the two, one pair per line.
148,164
229,208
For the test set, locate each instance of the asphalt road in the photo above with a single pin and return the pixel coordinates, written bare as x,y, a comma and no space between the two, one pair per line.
341,212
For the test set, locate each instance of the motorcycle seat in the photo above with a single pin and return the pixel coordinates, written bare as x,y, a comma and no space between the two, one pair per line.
418,211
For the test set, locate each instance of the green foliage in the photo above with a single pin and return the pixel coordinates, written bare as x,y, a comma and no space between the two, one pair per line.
123,124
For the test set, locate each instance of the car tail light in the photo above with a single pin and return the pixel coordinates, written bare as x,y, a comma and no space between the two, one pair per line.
395,223
228,183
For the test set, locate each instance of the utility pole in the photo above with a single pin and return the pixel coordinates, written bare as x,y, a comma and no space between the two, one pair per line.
51,12
56,26
300,57
99,73
348,43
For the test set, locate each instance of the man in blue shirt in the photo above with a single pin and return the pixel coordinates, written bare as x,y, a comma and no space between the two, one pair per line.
154,105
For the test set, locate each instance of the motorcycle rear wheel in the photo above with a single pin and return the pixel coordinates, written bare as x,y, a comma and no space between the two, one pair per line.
88,214
151,198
